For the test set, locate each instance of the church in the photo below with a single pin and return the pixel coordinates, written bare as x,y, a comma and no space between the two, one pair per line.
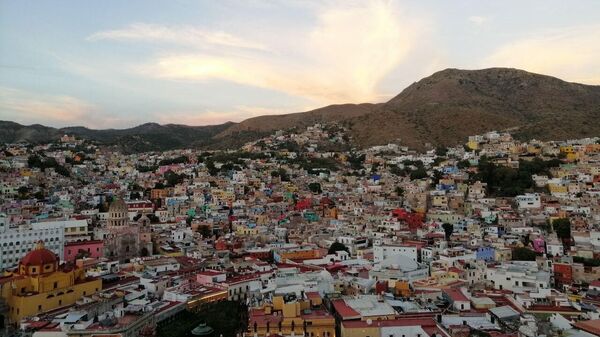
124,240
40,284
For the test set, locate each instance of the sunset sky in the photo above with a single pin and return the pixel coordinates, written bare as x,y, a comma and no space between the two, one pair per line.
121,63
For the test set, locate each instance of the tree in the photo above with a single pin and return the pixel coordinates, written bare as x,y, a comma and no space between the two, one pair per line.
441,151
562,227
523,254
463,164
205,231
399,191
448,229
336,247
315,187
437,176
419,173
23,192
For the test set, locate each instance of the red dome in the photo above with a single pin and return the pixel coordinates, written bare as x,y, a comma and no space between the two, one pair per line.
39,256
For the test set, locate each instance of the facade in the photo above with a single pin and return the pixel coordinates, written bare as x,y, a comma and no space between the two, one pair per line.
122,240
91,249
528,201
289,316
518,276
16,243
383,251
40,285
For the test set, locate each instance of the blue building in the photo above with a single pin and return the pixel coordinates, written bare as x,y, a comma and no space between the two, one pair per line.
486,253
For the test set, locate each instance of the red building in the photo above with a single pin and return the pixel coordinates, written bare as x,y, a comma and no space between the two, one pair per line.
563,274
90,248
413,220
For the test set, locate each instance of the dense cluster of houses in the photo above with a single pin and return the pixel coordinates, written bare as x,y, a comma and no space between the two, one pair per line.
495,237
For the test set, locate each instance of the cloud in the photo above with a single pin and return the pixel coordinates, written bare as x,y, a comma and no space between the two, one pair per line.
28,107
572,54
341,58
478,20
181,35
211,117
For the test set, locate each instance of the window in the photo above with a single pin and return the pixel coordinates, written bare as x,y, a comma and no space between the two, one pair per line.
40,307
55,285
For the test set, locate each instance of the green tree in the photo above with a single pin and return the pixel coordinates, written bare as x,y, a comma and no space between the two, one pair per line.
419,173
441,151
523,254
205,231
315,188
336,247
562,227
448,229
399,191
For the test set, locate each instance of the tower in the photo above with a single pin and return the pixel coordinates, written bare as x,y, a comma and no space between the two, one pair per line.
122,241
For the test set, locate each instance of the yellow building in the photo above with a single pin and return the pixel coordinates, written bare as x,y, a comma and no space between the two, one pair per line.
301,253
288,315
557,188
473,145
244,230
40,285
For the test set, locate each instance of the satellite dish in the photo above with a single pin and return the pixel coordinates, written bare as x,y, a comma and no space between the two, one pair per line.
369,321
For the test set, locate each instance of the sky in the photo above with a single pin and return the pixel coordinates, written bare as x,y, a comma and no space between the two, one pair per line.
117,64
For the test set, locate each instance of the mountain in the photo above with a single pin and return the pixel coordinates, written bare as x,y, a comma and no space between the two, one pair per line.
336,113
448,106
145,137
442,109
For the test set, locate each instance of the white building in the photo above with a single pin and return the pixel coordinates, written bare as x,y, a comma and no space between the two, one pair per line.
353,243
399,267
15,243
528,201
518,276
383,251
75,230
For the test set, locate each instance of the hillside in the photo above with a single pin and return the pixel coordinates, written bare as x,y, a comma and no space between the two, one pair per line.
450,105
442,109
332,113
145,137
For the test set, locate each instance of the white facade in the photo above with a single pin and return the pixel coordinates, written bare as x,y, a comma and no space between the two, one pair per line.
16,243
555,249
381,252
518,276
75,230
353,243
528,200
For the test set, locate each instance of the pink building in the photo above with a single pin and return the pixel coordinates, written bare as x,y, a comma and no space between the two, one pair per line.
539,245
91,248
210,276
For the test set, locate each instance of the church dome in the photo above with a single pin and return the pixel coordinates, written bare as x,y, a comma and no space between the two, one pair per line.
38,261
39,256
118,213
118,206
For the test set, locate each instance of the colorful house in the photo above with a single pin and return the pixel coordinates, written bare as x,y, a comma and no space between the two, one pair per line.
89,248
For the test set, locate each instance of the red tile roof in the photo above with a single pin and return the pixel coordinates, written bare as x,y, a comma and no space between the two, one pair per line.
345,311
456,295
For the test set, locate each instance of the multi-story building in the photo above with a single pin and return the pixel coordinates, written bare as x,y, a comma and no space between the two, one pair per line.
517,276
15,243
383,251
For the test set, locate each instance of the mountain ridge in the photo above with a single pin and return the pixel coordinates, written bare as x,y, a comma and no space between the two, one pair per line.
441,109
